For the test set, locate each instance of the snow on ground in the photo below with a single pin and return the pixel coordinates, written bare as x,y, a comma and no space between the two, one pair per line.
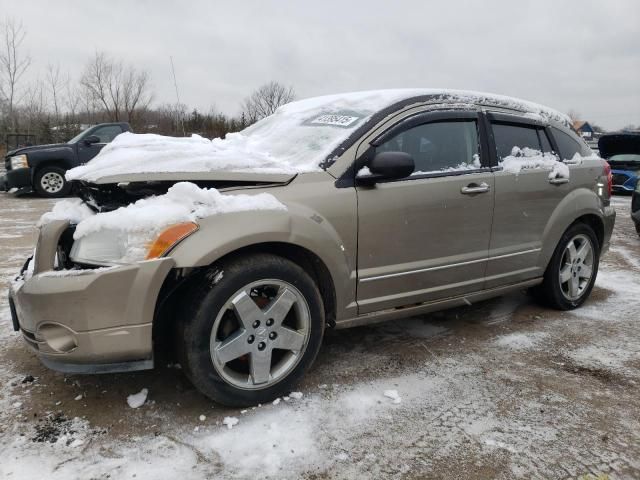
296,138
502,389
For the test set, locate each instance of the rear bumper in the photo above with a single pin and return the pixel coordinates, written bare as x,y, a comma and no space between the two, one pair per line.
88,321
609,220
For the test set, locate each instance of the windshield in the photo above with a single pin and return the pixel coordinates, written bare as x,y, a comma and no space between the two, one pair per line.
78,137
626,158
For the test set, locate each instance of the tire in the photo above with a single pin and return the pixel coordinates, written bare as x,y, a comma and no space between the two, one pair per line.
637,227
572,272
50,182
227,342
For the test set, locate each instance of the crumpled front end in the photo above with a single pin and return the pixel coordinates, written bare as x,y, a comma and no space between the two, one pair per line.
85,319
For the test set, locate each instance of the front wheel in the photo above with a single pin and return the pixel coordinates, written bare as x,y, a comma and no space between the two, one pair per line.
251,329
573,268
50,182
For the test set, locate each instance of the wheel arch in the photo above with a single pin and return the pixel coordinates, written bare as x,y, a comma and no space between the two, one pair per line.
57,162
177,284
581,205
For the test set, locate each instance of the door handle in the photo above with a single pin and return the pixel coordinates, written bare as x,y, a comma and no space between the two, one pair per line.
475,188
558,181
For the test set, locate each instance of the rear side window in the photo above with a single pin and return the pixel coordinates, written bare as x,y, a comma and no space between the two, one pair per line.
509,136
439,146
569,146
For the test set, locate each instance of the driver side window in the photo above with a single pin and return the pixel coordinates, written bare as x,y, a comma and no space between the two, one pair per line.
108,133
438,147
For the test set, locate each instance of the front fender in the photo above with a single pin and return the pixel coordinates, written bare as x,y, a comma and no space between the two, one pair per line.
222,234
62,155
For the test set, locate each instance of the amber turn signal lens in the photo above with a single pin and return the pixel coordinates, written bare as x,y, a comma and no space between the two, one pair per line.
169,237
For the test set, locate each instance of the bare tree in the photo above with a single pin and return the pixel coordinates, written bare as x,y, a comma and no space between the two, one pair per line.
54,83
34,106
265,100
13,64
72,97
120,90
574,115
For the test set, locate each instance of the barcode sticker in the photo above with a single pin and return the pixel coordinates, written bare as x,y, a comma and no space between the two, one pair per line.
338,120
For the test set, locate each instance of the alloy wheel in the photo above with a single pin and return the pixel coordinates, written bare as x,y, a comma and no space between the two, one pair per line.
260,334
576,267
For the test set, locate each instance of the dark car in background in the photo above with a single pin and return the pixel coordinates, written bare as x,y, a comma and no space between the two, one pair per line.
622,151
41,168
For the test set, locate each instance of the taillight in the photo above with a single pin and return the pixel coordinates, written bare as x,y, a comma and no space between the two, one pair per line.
607,172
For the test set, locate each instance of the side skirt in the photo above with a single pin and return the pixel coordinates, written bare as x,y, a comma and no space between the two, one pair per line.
427,307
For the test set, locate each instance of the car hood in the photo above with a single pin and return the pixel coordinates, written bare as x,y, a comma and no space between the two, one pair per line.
221,176
619,144
35,148
114,191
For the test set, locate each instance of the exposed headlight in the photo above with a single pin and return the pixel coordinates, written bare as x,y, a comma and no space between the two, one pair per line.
109,247
19,161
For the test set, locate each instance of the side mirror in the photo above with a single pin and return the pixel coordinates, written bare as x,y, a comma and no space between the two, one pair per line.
388,166
91,139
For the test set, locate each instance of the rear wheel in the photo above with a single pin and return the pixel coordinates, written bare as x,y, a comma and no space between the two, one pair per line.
252,328
50,182
573,268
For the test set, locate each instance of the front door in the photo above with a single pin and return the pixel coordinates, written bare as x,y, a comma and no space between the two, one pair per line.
106,133
426,237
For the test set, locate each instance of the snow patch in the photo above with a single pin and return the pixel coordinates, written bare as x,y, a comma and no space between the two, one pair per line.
73,210
520,341
393,395
230,422
530,159
136,400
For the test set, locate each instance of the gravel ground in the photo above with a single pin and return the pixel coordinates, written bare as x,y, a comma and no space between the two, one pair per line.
501,389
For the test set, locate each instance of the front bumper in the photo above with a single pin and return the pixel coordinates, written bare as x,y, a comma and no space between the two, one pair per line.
20,179
88,321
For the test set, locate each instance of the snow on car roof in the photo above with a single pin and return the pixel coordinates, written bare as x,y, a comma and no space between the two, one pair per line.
297,138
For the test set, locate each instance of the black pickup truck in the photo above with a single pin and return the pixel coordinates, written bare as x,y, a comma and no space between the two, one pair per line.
41,168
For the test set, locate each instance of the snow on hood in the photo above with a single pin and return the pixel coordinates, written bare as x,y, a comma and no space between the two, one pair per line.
297,138
183,202
137,224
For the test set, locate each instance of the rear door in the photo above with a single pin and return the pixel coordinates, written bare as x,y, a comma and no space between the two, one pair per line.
426,237
524,201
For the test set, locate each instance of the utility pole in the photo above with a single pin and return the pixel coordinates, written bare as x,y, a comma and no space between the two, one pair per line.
175,84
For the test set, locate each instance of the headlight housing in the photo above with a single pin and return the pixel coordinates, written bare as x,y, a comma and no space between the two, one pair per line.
19,161
113,247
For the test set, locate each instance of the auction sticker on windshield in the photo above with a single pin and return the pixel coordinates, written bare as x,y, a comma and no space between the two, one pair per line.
335,119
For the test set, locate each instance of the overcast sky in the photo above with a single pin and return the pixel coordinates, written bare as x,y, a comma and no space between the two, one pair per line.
580,55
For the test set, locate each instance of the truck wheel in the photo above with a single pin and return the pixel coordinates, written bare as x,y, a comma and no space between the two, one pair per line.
252,327
573,268
50,182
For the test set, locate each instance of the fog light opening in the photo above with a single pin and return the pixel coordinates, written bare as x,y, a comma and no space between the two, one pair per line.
57,337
